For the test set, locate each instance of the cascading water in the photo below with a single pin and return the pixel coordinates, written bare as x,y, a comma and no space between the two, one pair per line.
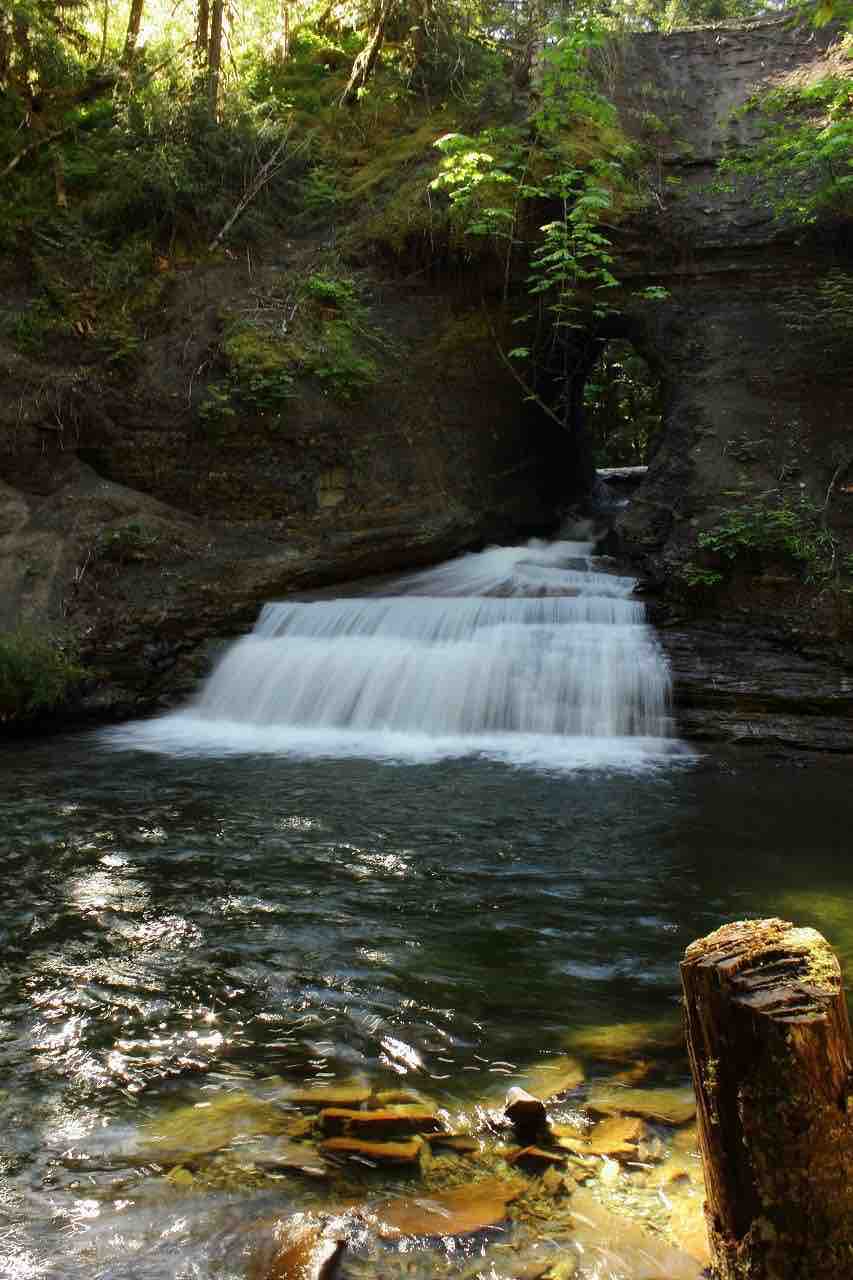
529,653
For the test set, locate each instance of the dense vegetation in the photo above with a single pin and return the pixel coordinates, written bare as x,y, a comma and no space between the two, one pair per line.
38,673
135,134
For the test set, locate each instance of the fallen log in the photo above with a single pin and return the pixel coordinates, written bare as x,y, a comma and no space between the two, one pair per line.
771,1054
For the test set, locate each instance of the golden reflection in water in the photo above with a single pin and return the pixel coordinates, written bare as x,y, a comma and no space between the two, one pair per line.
164,933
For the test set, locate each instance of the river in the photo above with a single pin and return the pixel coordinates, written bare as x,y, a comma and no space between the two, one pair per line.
249,896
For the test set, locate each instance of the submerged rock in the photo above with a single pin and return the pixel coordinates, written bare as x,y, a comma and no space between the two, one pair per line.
449,1213
405,1118
617,1136
347,1093
282,1153
206,1127
461,1142
617,1246
389,1097
623,1041
536,1158
686,1139
526,1112
303,1249
553,1076
671,1106
406,1152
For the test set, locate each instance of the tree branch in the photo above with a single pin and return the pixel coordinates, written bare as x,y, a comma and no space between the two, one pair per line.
525,386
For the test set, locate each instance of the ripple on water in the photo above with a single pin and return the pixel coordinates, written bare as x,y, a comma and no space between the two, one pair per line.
298,920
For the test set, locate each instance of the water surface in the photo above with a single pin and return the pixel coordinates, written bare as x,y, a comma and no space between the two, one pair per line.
174,924
423,837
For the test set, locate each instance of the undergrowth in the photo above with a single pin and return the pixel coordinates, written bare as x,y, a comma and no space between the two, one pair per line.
320,331
802,167
774,526
38,673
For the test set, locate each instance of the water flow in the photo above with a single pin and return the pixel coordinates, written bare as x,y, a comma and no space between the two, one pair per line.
529,652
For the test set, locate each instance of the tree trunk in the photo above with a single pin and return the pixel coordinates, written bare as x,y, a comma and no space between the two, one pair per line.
771,1055
362,68
214,55
59,181
202,32
105,25
282,51
422,33
134,22
5,48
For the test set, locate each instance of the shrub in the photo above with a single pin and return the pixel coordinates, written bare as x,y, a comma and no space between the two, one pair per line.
775,525
339,365
38,672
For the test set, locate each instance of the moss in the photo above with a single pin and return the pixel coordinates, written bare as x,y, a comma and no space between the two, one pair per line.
193,1131
259,368
339,363
463,332
822,968
390,154
38,673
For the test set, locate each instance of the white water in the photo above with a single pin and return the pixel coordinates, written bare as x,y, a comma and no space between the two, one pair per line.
525,653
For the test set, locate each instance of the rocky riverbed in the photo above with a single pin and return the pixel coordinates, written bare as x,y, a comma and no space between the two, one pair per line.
580,1165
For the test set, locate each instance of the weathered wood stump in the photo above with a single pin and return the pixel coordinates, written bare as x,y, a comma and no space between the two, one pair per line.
771,1053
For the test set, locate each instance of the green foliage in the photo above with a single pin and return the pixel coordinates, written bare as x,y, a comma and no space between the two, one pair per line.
319,192
338,363
483,178
803,167
258,371
38,672
217,407
332,290
698,577
30,329
775,524
622,402
259,378
819,318
568,90
322,332
337,350
573,259
132,542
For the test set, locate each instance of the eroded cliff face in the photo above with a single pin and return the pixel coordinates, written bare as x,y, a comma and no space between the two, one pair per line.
150,529
755,349
754,343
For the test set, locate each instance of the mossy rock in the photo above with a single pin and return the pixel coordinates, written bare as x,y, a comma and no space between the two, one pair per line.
204,1127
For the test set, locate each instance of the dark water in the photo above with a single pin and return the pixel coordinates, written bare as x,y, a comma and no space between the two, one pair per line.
171,924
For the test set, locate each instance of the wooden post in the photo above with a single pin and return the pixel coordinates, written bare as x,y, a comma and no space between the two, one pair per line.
770,1050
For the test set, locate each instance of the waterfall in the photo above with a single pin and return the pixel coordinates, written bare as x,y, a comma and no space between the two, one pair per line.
530,653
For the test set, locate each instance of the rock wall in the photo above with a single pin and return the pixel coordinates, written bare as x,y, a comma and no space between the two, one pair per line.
752,346
755,349
127,517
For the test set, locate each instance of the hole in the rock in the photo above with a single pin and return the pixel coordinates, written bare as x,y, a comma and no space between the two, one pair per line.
622,406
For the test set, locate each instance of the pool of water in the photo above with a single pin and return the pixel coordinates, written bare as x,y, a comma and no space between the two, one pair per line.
177,924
